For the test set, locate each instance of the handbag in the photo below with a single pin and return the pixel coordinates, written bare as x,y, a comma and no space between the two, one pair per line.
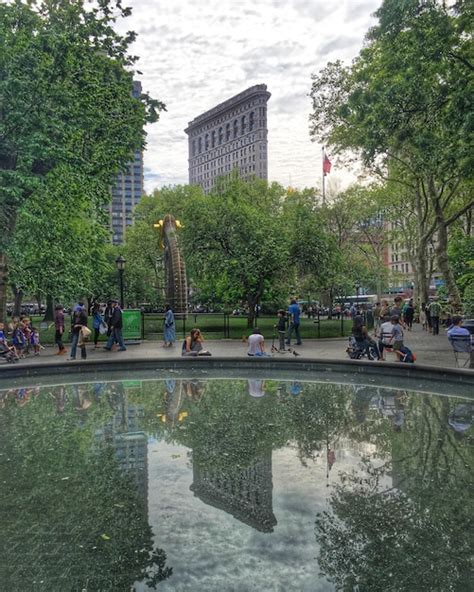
102,328
86,332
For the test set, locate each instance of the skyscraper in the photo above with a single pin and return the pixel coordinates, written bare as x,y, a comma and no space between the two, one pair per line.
127,190
232,135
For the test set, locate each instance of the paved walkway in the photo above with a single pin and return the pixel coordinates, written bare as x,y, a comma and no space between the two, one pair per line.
430,350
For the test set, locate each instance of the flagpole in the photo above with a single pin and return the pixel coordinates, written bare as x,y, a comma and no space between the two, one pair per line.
324,180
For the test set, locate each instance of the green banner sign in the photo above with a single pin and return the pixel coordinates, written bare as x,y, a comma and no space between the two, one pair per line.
132,324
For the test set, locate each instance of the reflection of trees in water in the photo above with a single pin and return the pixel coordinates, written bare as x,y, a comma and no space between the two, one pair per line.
70,518
405,525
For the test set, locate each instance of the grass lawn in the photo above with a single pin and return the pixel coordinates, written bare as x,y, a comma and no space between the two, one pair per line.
212,327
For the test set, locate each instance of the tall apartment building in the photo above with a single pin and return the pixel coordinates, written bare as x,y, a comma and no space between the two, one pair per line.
127,190
232,135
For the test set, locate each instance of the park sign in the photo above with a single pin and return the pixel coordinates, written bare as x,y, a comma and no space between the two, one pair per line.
131,324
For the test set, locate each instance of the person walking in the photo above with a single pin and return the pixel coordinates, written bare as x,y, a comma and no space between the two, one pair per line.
294,314
116,328
169,331
59,329
423,321
97,322
409,314
377,317
79,320
435,311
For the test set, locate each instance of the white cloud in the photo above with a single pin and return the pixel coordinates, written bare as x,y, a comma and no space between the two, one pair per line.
196,55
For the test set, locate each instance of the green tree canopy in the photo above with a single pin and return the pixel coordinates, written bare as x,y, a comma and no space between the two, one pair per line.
66,104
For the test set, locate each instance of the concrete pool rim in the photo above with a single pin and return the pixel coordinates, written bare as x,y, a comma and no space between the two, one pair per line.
358,371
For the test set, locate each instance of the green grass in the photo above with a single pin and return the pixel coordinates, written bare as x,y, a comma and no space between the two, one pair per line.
212,327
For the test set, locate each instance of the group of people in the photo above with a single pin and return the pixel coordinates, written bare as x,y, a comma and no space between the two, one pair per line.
107,323
390,321
18,339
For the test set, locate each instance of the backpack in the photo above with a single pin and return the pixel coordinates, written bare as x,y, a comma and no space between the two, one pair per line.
406,355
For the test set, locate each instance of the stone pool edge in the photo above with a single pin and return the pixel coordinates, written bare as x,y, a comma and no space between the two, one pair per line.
416,371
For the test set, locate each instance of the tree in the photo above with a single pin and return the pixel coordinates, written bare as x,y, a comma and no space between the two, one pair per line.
403,108
59,244
314,254
234,240
66,104
143,249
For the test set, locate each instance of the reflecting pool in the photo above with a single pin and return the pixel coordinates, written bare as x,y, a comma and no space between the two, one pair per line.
192,484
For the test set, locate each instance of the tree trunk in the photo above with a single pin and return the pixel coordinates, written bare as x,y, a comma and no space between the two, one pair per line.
3,286
18,297
423,281
251,303
49,313
444,267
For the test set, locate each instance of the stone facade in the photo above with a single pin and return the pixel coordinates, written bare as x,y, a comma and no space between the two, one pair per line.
231,136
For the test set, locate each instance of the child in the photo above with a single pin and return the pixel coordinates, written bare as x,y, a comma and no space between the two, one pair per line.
35,340
18,339
397,333
281,328
27,333
5,349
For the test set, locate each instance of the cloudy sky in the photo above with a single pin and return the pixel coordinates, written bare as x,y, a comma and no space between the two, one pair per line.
194,55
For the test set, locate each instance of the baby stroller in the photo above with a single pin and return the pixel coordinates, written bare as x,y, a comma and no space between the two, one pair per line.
361,349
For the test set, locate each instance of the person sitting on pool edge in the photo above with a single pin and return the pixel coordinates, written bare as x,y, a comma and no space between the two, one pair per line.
193,344
256,344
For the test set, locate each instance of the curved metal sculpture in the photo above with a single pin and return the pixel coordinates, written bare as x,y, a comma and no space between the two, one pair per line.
176,290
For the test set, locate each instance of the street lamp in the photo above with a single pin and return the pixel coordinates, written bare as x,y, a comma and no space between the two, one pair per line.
120,263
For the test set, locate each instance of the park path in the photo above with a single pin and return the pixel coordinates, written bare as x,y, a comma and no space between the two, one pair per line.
430,350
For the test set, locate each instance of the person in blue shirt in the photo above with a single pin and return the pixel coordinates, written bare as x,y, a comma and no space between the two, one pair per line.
294,314
456,329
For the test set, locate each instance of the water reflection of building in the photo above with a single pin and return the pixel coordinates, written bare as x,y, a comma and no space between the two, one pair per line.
246,494
130,444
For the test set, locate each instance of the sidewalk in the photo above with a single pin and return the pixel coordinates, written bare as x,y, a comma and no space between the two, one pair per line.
430,350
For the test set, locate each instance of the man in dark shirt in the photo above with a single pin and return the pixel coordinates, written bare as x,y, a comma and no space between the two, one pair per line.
115,324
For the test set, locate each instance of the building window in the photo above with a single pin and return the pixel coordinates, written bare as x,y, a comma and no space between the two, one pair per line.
227,132
236,128
200,145
194,148
213,139
243,122
206,142
221,136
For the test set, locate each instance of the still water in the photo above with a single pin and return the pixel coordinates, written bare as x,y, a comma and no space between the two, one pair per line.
234,485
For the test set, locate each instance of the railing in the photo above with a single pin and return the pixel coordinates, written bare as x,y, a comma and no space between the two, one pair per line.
223,325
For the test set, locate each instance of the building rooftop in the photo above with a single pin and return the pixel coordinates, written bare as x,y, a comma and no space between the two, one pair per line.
244,95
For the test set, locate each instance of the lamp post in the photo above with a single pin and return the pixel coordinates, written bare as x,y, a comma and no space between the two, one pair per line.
120,263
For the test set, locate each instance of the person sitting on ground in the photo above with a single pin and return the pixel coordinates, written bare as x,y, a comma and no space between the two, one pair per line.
256,344
193,344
